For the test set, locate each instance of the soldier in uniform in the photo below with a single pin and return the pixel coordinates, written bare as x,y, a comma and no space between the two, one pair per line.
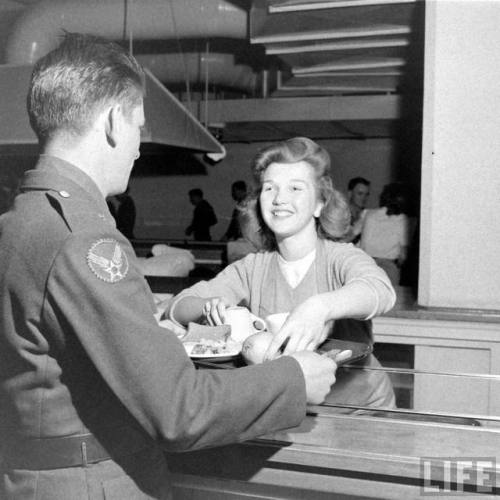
92,390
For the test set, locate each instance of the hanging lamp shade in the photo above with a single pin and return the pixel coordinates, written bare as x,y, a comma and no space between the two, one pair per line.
168,121
14,122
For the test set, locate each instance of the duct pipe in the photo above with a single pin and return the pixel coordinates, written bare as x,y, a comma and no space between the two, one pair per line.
38,30
172,67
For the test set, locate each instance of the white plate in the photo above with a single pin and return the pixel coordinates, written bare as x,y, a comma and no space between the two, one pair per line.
232,350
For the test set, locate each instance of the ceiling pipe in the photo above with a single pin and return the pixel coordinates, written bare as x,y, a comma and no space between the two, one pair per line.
222,70
39,29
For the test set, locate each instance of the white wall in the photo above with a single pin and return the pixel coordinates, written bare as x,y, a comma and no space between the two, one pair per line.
163,206
460,236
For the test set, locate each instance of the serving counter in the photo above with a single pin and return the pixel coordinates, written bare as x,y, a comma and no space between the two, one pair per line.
345,457
446,442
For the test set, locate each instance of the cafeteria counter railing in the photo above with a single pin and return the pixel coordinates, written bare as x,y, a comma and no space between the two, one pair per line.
384,453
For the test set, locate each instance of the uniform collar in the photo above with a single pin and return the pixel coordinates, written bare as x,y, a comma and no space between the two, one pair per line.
54,174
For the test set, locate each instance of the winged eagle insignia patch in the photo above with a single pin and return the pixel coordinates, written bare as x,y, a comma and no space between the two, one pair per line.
107,260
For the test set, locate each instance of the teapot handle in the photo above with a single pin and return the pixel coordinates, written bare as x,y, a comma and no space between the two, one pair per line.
258,324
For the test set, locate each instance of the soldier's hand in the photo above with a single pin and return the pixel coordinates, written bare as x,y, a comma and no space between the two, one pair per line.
319,374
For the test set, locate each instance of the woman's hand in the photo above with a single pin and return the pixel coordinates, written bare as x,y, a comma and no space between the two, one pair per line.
214,310
305,328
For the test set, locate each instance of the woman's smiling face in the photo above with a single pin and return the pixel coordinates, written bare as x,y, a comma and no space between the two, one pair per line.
289,200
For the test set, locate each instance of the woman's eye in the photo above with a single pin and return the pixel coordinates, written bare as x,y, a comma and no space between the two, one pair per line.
267,188
296,188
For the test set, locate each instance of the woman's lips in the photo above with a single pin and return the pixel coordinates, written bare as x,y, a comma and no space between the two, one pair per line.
281,213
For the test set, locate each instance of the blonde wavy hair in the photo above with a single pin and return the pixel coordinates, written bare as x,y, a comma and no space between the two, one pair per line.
334,219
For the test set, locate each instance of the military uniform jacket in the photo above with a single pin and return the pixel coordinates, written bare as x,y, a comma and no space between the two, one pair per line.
80,348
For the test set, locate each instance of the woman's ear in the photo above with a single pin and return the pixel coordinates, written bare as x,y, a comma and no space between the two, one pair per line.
112,125
319,208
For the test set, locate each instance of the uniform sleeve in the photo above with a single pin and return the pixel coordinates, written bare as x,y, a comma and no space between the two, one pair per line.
352,264
232,283
102,299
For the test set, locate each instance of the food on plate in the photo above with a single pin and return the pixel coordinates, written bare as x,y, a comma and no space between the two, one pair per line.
207,347
255,346
196,332
207,341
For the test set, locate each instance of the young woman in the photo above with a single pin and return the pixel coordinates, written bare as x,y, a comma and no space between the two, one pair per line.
329,287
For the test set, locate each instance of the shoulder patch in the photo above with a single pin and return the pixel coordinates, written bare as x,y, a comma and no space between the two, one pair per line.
107,260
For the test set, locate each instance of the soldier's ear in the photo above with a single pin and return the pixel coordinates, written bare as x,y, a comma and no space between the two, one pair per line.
111,125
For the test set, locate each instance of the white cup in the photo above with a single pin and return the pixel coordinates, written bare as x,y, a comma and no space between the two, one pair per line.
274,322
243,323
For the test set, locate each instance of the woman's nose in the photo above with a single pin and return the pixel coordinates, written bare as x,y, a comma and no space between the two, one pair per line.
278,197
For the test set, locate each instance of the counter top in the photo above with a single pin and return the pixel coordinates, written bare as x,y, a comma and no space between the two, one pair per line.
339,456
407,307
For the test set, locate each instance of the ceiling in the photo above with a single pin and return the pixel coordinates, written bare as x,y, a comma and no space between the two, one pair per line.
274,68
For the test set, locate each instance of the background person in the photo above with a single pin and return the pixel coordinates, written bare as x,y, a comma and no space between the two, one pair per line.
358,190
238,193
122,208
250,240
203,216
8,189
303,268
385,233
92,390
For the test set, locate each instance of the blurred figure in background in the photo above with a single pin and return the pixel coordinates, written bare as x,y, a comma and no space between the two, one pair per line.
251,236
238,193
359,192
385,233
122,208
203,216
8,190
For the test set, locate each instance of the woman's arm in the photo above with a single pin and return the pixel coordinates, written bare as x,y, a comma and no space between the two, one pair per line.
354,300
308,324
361,290
405,238
403,254
208,299
187,309
199,309
353,265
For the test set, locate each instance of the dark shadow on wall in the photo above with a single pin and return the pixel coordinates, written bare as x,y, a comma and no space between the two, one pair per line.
14,161
158,159
155,159
409,137
409,154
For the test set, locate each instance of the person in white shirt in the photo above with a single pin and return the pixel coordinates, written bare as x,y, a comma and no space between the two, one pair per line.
385,233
